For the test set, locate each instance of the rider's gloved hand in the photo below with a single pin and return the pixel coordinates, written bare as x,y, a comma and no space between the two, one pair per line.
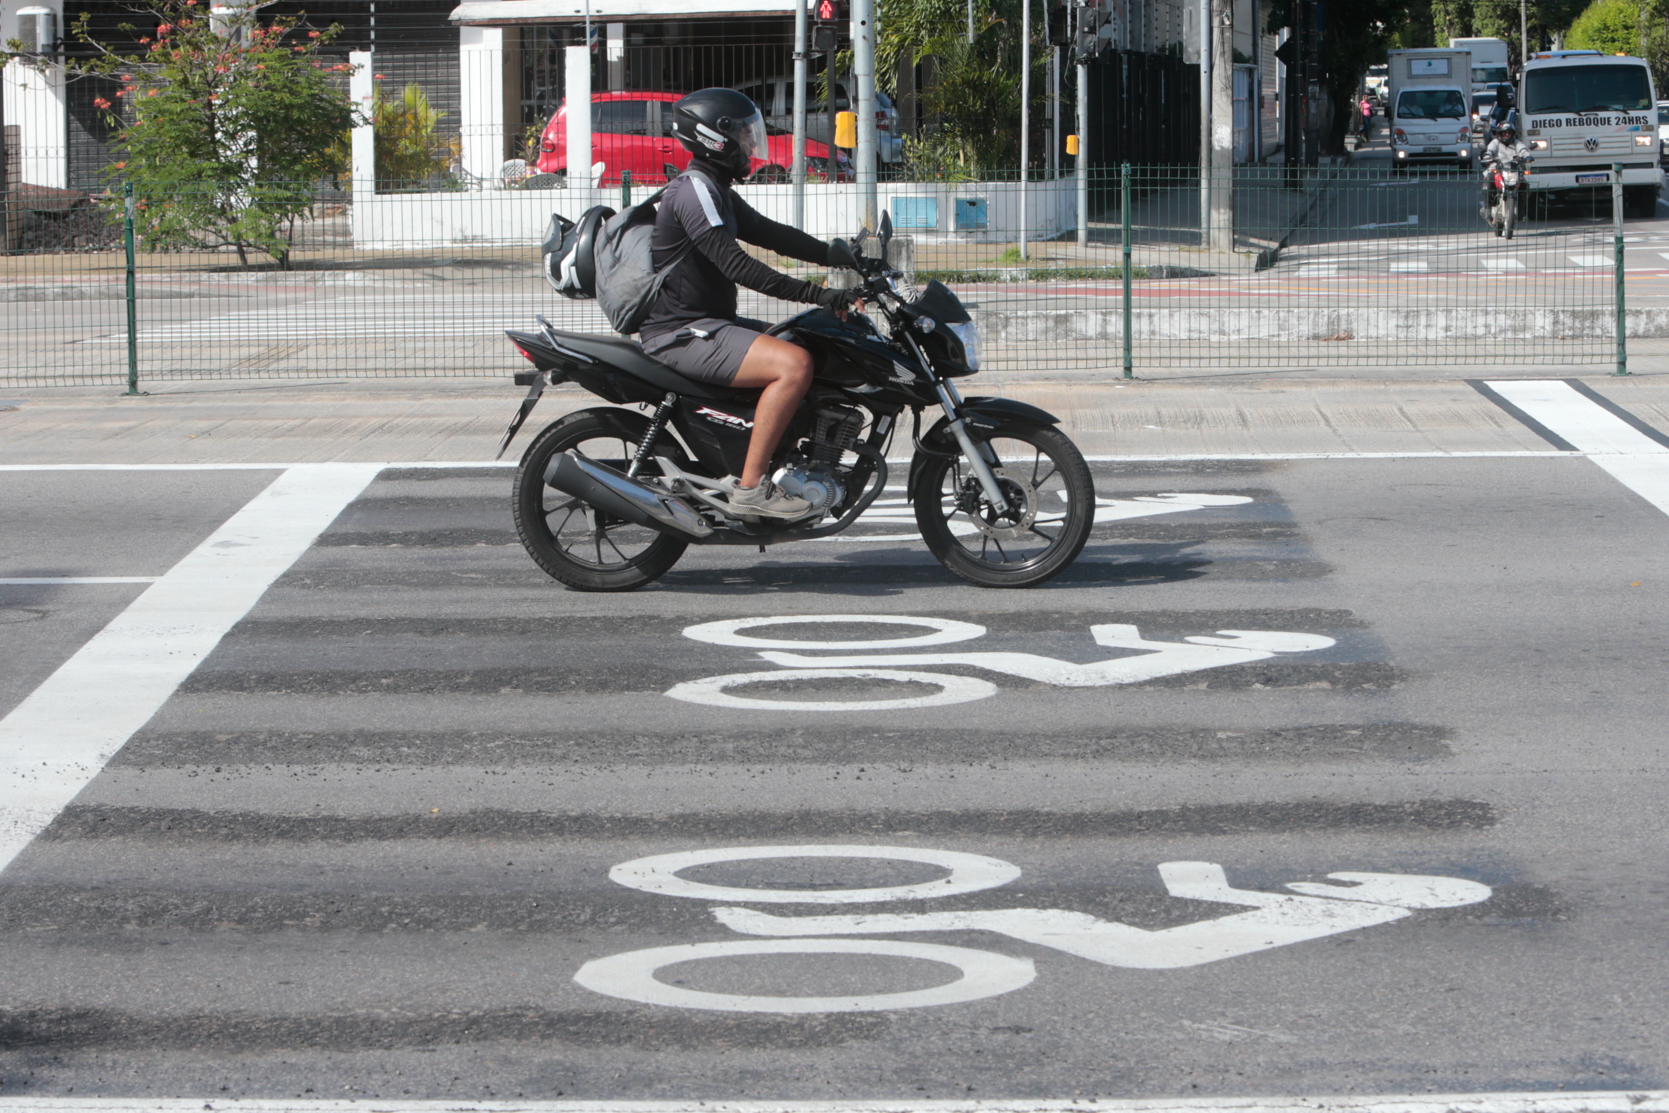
841,301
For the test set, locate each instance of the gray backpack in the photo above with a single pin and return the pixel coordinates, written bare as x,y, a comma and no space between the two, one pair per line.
626,280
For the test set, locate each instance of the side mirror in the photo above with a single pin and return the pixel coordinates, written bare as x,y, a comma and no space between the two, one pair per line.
840,255
886,232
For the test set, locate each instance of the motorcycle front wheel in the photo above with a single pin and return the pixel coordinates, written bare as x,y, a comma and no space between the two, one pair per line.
1051,507
572,541
1509,213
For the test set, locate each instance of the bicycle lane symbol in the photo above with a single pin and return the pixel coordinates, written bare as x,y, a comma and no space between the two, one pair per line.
1154,659
1311,911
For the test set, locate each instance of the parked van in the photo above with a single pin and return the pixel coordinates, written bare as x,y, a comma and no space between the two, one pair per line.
1582,112
1430,109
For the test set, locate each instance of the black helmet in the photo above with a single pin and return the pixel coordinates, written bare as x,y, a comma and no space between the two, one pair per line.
722,126
568,250
1507,130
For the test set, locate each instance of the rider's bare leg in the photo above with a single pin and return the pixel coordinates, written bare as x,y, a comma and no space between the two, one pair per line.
783,370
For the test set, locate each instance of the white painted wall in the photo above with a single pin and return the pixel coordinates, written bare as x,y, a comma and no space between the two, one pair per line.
481,109
35,102
519,218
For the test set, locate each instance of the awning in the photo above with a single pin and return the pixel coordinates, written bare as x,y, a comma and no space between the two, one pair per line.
499,13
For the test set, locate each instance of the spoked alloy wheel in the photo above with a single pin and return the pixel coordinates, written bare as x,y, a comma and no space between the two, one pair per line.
1051,507
572,541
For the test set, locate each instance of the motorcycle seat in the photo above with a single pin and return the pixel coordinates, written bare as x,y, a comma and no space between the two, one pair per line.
625,355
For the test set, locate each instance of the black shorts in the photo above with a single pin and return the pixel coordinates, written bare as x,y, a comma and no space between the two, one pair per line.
709,350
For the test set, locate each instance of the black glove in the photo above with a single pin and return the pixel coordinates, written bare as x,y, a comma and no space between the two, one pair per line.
839,301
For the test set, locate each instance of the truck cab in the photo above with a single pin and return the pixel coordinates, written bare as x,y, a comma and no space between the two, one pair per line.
1583,113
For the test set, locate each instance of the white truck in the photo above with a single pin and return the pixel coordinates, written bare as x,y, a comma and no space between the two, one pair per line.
1582,112
1489,63
1430,106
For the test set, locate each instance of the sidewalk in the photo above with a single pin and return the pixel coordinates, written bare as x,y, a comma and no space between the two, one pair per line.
461,421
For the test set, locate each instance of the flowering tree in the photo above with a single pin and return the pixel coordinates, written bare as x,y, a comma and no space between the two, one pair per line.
228,123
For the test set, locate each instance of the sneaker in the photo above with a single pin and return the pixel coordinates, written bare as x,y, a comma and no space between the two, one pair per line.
767,501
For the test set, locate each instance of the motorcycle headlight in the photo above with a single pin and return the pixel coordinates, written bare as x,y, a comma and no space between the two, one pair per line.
968,333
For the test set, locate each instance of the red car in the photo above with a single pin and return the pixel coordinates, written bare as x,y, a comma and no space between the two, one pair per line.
629,132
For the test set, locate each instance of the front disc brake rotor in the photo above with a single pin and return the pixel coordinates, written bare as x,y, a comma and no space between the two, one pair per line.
1017,521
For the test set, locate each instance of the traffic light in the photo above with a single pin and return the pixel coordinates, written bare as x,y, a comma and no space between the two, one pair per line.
1090,41
1059,33
832,18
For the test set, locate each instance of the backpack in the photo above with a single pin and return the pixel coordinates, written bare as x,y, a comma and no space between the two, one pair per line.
606,255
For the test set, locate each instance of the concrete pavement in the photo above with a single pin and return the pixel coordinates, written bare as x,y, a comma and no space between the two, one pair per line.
461,420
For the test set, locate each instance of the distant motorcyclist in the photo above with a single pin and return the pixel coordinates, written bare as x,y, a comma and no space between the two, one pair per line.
1503,148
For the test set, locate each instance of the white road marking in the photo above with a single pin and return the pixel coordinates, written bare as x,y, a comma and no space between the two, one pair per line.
1277,920
1325,270
1591,260
969,873
1632,458
1502,264
61,735
632,976
1229,647
1515,1101
712,690
1665,254
79,579
1410,267
897,512
1280,919
728,632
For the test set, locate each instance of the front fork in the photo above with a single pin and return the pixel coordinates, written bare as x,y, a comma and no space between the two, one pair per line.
979,454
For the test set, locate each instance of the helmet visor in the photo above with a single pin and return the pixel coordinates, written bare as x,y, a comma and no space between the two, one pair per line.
750,137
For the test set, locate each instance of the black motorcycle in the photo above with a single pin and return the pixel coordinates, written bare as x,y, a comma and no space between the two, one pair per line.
607,499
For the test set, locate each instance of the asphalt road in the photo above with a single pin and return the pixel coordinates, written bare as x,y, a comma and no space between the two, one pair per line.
365,847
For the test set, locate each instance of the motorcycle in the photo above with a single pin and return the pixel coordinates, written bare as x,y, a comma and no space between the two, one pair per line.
1508,179
608,499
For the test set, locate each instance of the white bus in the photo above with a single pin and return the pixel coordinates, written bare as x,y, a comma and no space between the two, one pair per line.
1582,112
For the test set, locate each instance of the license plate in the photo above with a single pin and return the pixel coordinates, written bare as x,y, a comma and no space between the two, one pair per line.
1587,179
1432,151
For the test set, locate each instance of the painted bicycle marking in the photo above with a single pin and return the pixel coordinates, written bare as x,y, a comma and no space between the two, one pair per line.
1154,659
1311,910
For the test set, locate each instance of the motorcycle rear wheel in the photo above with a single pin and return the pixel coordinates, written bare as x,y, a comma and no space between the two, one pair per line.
572,541
1051,509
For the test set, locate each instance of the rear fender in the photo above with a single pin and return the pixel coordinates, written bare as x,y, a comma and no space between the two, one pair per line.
982,416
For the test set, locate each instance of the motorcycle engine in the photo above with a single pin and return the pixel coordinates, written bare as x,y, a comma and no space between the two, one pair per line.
815,476
818,486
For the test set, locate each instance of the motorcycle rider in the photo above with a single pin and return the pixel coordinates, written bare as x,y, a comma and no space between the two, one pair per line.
1504,147
692,326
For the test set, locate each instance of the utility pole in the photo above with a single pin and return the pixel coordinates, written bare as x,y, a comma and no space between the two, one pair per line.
863,75
1523,34
799,110
1080,161
1222,125
1204,21
1025,114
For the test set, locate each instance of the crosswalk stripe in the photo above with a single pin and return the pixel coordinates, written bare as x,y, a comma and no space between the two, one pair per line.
1503,264
1591,260
1411,267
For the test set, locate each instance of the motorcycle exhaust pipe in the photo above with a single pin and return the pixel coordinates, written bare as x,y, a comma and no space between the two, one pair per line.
615,493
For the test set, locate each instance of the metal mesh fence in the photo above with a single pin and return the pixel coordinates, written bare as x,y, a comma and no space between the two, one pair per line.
1318,267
